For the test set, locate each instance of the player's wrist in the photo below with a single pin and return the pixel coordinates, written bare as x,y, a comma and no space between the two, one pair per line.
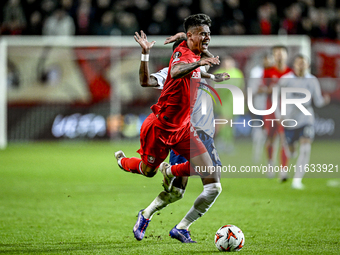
145,51
212,77
144,57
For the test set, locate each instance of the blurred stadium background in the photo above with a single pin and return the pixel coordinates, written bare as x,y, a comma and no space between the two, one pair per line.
69,74
86,87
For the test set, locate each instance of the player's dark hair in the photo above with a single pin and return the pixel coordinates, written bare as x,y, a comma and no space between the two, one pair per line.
176,43
196,20
279,47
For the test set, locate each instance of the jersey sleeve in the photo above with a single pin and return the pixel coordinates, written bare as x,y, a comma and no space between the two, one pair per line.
181,55
161,77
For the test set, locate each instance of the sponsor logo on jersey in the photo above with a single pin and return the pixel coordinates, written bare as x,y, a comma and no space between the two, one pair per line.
196,74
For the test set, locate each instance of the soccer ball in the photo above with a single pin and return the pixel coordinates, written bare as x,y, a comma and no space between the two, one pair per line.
229,238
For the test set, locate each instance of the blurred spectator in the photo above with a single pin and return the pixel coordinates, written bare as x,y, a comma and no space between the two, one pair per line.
171,16
320,23
316,18
84,15
14,18
264,21
101,6
34,24
267,22
182,13
48,7
305,27
30,6
323,23
337,30
60,23
159,24
232,10
107,25
68,6
142,11
293,15
127,23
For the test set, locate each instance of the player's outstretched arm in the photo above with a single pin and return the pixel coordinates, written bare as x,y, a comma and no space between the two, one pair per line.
145,79
180,35
182,69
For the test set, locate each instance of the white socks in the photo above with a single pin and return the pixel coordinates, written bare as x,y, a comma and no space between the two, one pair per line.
162,200
202,204
259,139
303,159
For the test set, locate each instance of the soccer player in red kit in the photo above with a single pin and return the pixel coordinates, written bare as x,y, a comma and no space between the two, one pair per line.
271,76
169,127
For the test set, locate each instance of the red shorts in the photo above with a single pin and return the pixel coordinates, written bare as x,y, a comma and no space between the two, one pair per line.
156,142
272,126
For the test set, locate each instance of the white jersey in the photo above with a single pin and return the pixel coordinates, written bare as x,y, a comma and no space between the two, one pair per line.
309,82
199,121
255,80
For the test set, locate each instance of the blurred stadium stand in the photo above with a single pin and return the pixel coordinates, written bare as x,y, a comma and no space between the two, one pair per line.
316,18
67,92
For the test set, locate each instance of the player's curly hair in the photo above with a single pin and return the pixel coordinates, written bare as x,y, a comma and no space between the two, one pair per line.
196,20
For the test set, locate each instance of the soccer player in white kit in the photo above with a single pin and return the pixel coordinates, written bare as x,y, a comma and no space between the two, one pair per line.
303,132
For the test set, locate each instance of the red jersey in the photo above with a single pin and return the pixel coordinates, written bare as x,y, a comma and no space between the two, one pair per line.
271,76
178,96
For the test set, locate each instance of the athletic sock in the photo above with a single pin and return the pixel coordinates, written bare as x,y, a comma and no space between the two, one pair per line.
270,151
181,170
259,138
284,158
202,204
302,160
162,200
132,165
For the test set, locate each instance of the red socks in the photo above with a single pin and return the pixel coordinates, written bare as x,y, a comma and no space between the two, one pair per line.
183,169
270,151
132,165
284,158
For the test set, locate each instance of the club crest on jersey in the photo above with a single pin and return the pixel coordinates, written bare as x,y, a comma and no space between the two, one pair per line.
176,56
151,159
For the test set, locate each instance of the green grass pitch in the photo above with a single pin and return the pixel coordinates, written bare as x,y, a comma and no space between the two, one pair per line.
71,198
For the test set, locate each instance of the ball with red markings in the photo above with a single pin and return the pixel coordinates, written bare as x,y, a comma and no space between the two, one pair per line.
229,238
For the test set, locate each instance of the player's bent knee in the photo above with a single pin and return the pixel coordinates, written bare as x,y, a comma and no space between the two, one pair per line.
212,191
150,172
208,196
215,189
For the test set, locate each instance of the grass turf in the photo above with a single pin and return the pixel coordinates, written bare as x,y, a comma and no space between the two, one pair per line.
62,198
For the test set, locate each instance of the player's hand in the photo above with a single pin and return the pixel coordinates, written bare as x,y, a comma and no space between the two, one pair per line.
143,42
221,77
209,61
175,37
